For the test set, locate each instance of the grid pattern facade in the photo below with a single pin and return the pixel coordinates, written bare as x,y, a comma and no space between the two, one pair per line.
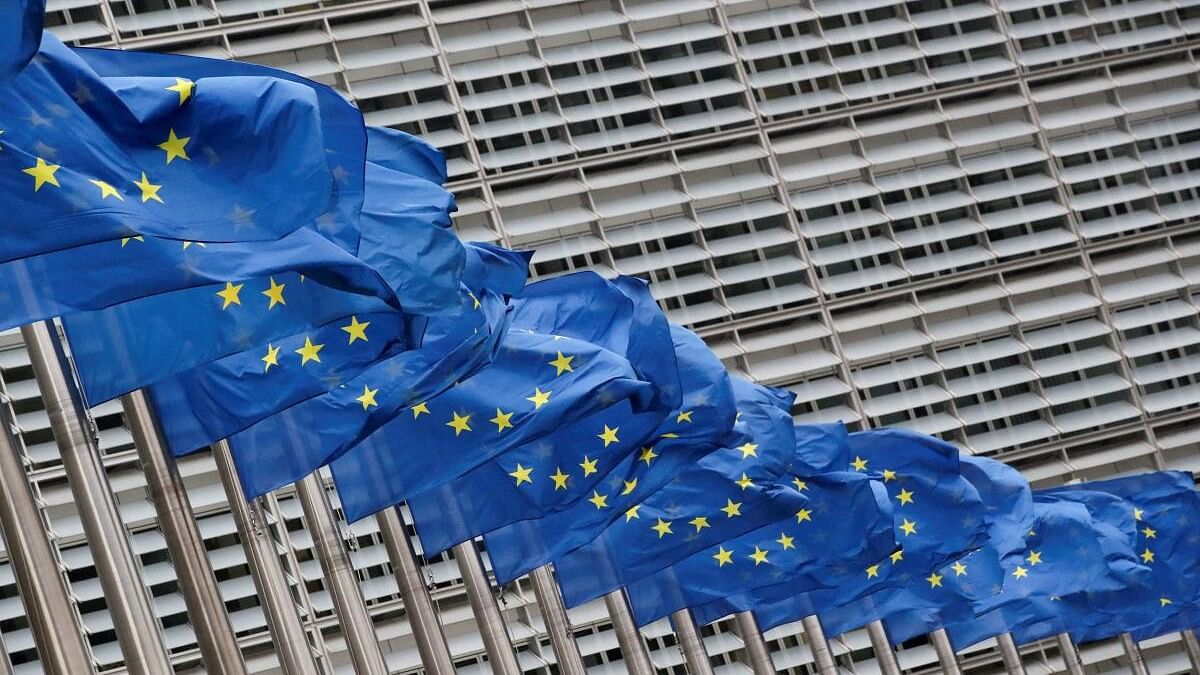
974,218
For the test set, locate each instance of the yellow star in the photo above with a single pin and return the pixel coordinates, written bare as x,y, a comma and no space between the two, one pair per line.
1149,532
559,478
905,497
502,420
759,556
630,486
632,512
230,294
275,295
897,556
684,416
272,357
368,398
647,456
723,557
106,190
419,409
43,173
474,300
1034,558
149,190
189,244
908,527
801,486
310,352
1163,602
935,580
662,527
873,571
670,435
732,508
562,364
699,522
859,464
888,475
786,541
522,474
803,515
357,330
609,436
589,466
459,423
959,569
744,482
1137,514
539,398
175,146
1147,556
1020,572
748,450
183,87
598,500
126,240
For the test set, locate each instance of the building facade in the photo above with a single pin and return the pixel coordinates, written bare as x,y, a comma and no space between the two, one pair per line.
975,218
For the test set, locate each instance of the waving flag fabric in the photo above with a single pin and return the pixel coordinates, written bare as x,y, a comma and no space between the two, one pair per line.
20,34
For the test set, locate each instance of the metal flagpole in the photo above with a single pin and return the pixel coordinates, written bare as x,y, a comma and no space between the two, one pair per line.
5,664
1010,654
629,638
566,650
691,643
822,654
1192,644
138,630
262,557
422,618
206,609
1137,665
945,652
52,619
353,617
888,665
1070,655
501,654
756,647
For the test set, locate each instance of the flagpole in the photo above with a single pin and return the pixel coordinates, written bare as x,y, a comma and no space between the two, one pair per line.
945,652
262,557
822,654
5,663
1010,654
422,617
558,624
53,620
201,595
888,665
1192,644
357,627
501,654
138,630
1137,665
629,638
1070,655
756,647
691,643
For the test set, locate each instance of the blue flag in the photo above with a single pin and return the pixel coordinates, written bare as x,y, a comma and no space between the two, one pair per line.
549,374
20,33
730,491
92,159
706,417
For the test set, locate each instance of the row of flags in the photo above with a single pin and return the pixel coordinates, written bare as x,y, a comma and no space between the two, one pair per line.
234,240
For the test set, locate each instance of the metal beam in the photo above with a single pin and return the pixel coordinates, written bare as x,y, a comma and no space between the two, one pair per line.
690,643
1010,654
883,648
422,617
1070,655
757,651
558,625
633,647
357,628
137,627
197,584
1137,664
822,654
945,652
502,658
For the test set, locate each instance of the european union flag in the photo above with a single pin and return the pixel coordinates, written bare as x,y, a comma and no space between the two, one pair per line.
732,490
92,159
705,418
539,383
1158,515
845,525
20,34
